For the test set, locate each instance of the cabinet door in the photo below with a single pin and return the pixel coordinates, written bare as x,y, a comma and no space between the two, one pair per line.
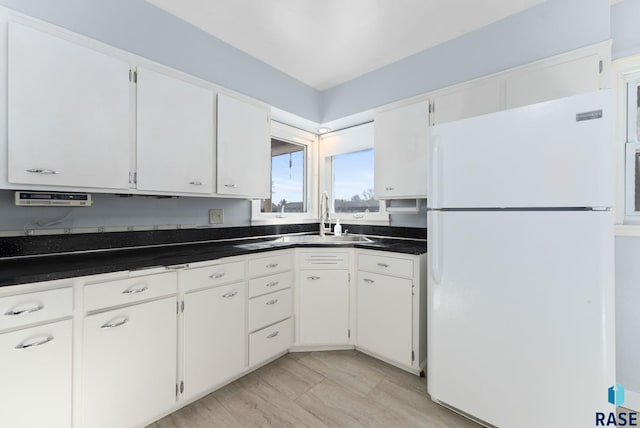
470,100
384,314
215,337
323,316
36,376
175,134
243,149
68,113
553,81
129,364
400,147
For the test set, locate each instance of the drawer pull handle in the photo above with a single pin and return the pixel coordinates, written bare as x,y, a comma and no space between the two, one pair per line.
14,312
110,324
273,284
34,344
367,280
229,294
217,275
313,278
389,188
231,186
132,290
197,183
42,171
383,265
272,335
272,302
272,265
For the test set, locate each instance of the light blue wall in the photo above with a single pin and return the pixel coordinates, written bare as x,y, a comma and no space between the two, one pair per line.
550,28
625,28
138,27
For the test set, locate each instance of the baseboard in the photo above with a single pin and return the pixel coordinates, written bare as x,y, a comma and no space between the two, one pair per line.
314,348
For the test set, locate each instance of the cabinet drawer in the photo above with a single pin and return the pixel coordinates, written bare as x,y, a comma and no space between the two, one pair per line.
217,274
267,309
330,259
386,265
29,308
272,264
270,341
268,284
130,290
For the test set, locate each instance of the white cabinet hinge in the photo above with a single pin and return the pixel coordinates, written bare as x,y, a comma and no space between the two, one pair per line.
135,178
413,289
349,334
133,76
177,390
182,307
181,386
348,276
413,356
600,66
177,307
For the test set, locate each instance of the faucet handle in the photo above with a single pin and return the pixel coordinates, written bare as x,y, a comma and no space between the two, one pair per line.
346,232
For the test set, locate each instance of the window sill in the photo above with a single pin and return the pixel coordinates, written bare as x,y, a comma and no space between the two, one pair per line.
627,230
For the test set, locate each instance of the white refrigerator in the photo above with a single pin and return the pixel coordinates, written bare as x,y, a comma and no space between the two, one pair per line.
521,270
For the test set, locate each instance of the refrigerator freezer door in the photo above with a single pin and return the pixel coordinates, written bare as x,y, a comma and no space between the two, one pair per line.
553,154
521,315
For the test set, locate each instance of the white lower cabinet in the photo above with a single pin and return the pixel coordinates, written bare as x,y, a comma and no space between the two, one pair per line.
215,346
270,341
391,307
384,314
36,376
129,364
323,312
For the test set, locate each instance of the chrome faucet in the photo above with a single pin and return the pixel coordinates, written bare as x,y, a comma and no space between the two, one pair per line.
324,213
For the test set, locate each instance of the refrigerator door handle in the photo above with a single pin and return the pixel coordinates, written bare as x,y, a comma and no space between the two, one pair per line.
436,247
435,172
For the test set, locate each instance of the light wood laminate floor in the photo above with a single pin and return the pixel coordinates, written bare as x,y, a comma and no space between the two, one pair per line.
319,389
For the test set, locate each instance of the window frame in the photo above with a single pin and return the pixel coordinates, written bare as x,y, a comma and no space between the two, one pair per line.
632,146
349,140
283,132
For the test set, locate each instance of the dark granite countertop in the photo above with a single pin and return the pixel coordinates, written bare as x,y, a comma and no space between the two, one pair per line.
26,269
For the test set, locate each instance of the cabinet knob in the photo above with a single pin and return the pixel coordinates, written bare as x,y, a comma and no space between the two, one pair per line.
272,265
272,335
230,186
383,265
389,188
273,284
229,294
42,171
313,278
217,275
367,280
272,302
197,183
34,344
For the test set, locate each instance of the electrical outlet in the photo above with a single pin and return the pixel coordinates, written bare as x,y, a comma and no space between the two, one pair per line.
216,216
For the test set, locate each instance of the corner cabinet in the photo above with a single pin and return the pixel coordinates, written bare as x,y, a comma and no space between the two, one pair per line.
400,148
243,148
323,293
68,113
391,307
175,134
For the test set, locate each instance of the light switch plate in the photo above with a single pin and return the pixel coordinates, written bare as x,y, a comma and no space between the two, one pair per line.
216,216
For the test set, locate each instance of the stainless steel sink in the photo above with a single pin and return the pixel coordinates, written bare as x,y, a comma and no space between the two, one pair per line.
327,239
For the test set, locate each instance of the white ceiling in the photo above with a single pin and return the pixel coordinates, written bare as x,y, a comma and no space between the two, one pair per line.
327,42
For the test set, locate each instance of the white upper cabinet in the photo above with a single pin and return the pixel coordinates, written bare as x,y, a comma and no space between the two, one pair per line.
468,101
400,150
243,149
175,134
546,82
68,120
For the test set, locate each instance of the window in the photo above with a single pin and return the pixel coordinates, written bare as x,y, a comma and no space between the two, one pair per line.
293,192
287,178
346,174
352,186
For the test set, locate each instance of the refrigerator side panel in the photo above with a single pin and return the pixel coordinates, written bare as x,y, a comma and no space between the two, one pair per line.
521,316
553,154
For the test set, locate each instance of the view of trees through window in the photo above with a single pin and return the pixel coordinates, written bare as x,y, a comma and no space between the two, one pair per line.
353,182
287,178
